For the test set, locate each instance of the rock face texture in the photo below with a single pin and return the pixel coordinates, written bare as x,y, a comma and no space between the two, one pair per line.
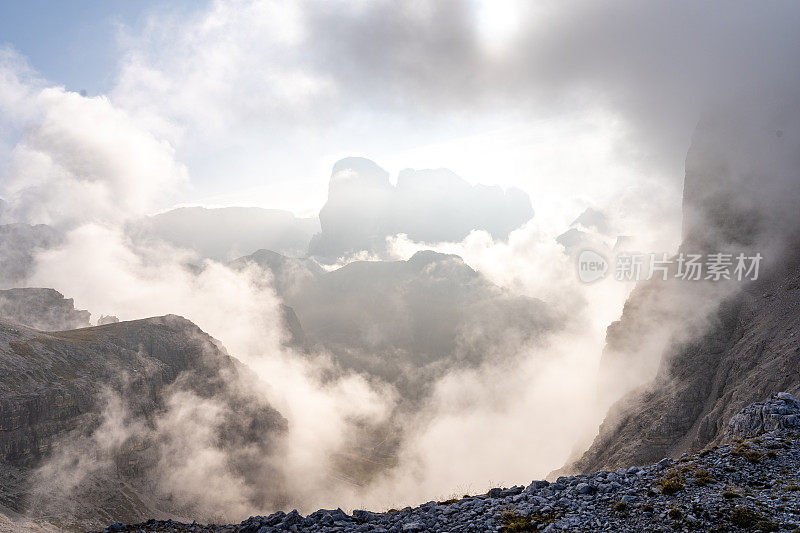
44,309
709,349
744,485
749,347
780,411
364,208
90,416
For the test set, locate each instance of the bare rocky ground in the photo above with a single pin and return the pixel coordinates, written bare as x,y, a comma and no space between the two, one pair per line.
749,483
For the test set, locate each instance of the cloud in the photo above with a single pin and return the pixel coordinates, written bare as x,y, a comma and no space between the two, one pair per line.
316,66
285,86
84,160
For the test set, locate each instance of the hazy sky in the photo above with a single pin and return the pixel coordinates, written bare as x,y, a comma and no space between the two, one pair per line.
575,103
75,43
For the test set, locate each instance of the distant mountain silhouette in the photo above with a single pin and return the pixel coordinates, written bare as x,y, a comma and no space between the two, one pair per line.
364,208
225,233
404,321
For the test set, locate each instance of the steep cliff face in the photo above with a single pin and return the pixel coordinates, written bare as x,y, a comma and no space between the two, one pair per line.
705,350
97,407
750,349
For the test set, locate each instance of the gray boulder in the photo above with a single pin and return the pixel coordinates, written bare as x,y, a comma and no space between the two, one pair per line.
780,411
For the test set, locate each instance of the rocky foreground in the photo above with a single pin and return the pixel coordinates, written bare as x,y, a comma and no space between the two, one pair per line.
751,483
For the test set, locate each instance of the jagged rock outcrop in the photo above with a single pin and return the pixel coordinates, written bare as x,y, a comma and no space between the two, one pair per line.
41,308
364,208
747,349
780,411
89,417
107,319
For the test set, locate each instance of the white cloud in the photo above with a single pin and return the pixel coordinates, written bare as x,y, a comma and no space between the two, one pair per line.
81,159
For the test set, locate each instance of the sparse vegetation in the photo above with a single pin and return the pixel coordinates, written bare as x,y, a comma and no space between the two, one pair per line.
702,478
671,484
511,521
744,517
544,518
621,507
675,513
768,525
730,494
744,450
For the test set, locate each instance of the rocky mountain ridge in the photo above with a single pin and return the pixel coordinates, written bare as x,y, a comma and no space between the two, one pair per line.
405,322
100,394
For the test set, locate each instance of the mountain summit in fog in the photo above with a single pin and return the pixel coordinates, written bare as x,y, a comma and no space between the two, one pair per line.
435,205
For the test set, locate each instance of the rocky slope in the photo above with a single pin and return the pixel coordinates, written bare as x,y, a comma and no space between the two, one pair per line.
749,483
87,417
